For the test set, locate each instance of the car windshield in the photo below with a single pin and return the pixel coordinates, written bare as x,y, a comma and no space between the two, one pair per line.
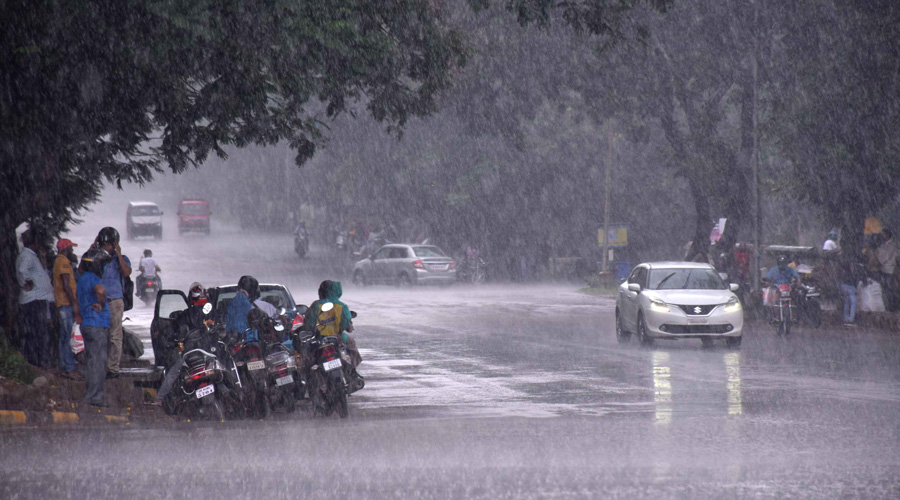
193,209
685,279
278,297
428,252
145,210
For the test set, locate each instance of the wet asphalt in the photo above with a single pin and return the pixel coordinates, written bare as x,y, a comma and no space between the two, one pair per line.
515,391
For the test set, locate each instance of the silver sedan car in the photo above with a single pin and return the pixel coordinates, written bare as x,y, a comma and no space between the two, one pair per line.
670,300
405,265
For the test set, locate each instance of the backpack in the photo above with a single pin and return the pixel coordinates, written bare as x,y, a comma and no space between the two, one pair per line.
128,293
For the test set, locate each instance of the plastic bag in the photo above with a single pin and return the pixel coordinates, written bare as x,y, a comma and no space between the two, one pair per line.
76,341
870,298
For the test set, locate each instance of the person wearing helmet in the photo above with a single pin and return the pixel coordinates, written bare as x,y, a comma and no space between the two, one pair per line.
113,277
240,305
830,242
197,295
782,273
95,314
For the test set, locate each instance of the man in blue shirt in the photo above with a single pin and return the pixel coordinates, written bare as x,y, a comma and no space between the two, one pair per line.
782,273
92,301
240,305
114,274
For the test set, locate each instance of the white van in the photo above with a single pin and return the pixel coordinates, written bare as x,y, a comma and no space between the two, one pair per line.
143,218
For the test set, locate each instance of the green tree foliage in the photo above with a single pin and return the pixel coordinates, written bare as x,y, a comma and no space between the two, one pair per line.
117,90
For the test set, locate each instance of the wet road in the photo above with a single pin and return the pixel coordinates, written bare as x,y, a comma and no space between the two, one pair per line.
503,392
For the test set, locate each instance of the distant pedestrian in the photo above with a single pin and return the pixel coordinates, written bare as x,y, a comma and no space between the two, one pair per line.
64,286
850,274
830,244
887,253
35,298
113,277
95,309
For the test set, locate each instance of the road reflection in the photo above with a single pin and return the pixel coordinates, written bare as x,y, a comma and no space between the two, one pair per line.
664,384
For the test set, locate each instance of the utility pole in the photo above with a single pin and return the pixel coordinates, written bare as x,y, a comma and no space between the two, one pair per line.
757,218
606,193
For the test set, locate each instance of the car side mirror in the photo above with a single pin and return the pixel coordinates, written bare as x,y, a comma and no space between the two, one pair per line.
733,287
281,311
634,287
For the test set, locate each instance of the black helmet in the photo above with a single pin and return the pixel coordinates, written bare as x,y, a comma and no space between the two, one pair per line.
782,262
249,284
95,260
108,235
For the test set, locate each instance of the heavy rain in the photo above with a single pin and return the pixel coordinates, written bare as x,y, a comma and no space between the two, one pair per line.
444,249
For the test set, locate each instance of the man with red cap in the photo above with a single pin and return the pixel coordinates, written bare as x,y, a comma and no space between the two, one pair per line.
66,303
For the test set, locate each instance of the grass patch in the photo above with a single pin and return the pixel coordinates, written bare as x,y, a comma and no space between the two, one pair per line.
12,364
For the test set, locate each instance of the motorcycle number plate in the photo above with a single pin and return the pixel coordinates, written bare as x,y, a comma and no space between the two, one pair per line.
287,379
256,365
331,365
697,321
205,391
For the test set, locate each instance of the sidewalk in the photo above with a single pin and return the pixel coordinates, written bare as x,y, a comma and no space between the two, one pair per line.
54,400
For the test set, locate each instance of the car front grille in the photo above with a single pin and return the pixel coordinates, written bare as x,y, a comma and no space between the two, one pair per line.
698,310
688,329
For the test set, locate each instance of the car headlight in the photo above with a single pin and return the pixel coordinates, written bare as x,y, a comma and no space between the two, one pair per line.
732,305
658,306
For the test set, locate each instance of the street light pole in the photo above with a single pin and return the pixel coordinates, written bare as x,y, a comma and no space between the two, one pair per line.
606,192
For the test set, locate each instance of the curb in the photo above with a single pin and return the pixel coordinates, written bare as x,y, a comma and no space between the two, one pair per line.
13,418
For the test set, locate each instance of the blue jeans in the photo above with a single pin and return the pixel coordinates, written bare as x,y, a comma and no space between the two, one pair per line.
96,341
849,294
66,323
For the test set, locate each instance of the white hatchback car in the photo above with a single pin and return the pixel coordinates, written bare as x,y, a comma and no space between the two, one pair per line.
670,300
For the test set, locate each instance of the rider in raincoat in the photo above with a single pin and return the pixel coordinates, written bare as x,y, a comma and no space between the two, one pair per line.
339,321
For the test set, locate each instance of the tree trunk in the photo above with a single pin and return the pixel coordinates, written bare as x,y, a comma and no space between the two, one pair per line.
9,286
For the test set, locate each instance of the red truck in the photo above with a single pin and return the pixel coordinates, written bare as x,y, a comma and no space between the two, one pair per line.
193,215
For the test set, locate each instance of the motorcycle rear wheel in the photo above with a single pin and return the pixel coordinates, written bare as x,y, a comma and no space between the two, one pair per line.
342,408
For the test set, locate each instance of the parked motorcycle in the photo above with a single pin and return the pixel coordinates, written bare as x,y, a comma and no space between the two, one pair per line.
284,382
808,306
207,383
472,270
250,364
146,288
330,378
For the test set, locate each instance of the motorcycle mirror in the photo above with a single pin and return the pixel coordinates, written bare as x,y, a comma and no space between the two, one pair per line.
279,327
207,308
302,310
352,314
326,307
281,311
724,276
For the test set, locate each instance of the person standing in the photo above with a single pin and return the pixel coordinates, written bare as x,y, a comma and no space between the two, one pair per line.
92,301
34,301
114,274
64,285
830,244
887,254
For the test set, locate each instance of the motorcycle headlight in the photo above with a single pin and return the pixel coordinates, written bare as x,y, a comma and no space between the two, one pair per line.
658,306
733,305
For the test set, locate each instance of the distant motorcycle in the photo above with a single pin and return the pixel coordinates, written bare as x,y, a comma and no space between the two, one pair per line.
147,287
301,241
779,303
473,270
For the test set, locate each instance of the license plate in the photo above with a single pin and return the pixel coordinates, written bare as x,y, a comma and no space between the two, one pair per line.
205,391
438,267
287,379
697,321
256,365
331,365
